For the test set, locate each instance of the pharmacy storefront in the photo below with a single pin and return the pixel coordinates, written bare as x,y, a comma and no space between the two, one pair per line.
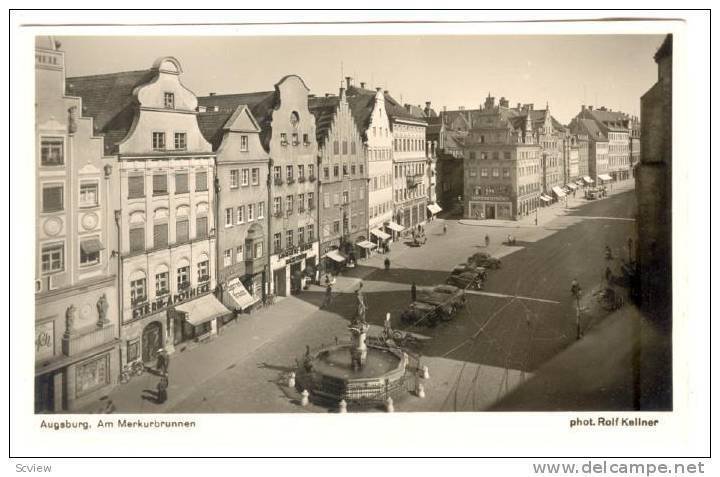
288,267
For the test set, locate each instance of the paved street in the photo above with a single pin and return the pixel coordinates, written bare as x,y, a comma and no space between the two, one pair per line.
524,317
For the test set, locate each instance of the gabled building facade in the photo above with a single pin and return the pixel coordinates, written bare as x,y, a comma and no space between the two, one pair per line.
343,194
242,168
76,300
166,222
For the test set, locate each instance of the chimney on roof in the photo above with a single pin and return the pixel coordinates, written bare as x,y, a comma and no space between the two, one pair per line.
342,92
386,92
348,81
603,108
362,84
211,94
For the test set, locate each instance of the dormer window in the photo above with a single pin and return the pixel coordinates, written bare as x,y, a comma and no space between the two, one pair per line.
169,100
243,143
283,139
294,119
158,141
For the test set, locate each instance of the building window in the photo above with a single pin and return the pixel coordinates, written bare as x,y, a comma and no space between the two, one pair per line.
346,197
336,171
250,212
301,171
495,172
88,194
362,169
201,230
295,140
241,214
255,176
136,187
160,235
183,277
169,100
306,139
53,258
326,173
484,172
261,210
310,232
311,170
137,290
182,230
301,235
336,227
160,184
181,141
336,199
345,170
239,257
352,169
289,238
283,139
506,172
162,283
344,148
52,198
289,204
243,143
311,200
336,147
245,179
181,183
289,173
234,178
158,141
137,239
277,245
52,151
228,217
90,251
258,249
326,200
277,206
352,148
201,181
227,258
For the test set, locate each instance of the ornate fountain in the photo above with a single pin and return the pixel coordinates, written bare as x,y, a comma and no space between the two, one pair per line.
362,372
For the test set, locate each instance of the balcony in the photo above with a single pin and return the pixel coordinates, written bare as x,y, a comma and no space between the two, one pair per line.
78,341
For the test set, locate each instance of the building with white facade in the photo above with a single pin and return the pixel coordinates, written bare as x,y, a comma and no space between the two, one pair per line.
166,222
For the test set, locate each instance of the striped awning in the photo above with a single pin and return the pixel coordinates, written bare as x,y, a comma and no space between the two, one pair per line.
571,186
380,234
203,309
395,226
605,177
335,255
588,180
558,192
366,244
434,209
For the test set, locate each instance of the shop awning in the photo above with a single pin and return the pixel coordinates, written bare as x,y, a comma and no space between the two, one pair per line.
366,244
91,246
203,309
335,255
588,180
571,186
545,198
380,234
605,177
235,292
579,182
396,227
434,209
558,191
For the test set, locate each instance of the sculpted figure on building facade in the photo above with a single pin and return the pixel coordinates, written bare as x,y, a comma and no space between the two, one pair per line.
102,308
70,319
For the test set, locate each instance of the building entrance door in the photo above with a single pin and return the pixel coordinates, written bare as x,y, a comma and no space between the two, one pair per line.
151,341
45,393
279,282
489,211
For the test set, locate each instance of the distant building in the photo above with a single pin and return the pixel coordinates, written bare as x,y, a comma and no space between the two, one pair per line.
448,147
502,165
76,299
167,223
371,118
343,195
653,181
597,147
287,133
241,203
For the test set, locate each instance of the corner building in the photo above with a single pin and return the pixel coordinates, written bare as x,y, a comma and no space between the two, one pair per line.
76,299
166,223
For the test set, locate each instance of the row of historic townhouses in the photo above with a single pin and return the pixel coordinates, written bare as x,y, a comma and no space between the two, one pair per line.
241,190
582,145
597,150
343,197
449,165
410,189
634,145
433,208
370,115
76,305
166,224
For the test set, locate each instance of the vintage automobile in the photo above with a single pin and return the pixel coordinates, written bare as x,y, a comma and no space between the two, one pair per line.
472,280
484,259
437,304
422,313
455,294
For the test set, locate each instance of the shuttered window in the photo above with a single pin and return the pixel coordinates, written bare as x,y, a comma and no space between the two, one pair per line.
182,230
201,227
181,183
201,181
136,187
52,198
160,184
137,239
160,235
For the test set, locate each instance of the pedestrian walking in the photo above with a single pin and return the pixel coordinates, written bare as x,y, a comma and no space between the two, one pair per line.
328,296
162,386
160,365
413,292
575,288
387,263
487,240
444,229
167,362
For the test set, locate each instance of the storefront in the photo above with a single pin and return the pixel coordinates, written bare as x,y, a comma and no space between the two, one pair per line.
558,192
198,318
545,199
433,210
334,262
490,209
395,229
588,180
605,178
366,248
237,297
289,266
381,238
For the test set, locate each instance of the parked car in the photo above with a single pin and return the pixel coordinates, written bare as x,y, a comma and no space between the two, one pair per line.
484,259
467,280
456,295
421,313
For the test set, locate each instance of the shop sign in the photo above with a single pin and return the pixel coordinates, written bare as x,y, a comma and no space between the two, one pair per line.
290,251
296,259
92,375
44,340
162,303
